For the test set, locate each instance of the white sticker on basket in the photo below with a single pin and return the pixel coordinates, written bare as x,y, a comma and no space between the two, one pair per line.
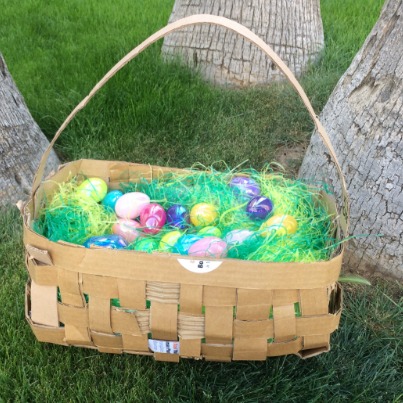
162,346
200,266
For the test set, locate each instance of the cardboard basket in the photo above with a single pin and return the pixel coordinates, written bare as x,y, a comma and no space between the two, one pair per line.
176,306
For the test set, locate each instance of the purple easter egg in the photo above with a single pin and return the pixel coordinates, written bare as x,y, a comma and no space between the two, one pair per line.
106,241
259,208
210,246
237,236
245,187
178,216
152,218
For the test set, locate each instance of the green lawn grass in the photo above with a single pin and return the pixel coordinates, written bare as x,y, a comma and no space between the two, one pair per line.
154,113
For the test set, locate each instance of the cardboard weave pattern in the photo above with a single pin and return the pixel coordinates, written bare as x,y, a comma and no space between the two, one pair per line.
236,310
242,310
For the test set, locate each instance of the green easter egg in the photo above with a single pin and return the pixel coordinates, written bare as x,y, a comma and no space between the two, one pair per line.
210,231
146,245
95,188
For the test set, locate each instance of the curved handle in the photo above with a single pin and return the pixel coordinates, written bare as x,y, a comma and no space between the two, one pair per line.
247,34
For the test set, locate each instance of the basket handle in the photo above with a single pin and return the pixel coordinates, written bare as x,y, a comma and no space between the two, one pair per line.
246,33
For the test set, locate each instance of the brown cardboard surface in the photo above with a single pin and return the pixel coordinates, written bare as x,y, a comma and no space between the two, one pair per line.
40,255
318,341
191,326
190,348
217,352
44,304
285,297
219,296
253,312
70,288
314,302
254,297
124,322
99,313
100,286
191,297
135,343
317,325
40,273
218,324
72,315
77,335
284,322
250,349
132,293
164,321
110,350
165,268
253,329
290,347
106,340
162,292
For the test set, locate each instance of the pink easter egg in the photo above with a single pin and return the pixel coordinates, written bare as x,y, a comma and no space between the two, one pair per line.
210,246
131,204
127,229
152,218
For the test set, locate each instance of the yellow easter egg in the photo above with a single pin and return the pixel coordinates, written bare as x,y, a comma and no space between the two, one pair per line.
94,188
168,241
203,214
281,224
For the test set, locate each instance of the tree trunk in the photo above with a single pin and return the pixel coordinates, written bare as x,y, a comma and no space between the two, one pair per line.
21,142
293,29
364,118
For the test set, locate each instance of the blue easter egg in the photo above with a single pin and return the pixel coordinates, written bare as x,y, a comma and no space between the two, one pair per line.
109,201
178,216
106,241
259,208
185,242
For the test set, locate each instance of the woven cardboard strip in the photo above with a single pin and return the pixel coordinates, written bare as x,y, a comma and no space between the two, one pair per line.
117,329
132,293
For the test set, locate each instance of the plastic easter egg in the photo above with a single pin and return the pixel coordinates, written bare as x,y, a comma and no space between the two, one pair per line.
210,231
185,242
237,236
106,241
169,240
146,245
209,247
245,186
259,208
109,201
178,216
95,188
280,224
129,230
152,218
203,214
131,204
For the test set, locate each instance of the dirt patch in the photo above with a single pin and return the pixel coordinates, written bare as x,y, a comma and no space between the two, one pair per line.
290,157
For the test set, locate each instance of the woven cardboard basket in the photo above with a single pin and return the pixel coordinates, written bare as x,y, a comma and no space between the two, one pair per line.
175,306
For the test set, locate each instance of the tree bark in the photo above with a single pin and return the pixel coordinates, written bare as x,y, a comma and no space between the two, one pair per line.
22,142
293,28
364,118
